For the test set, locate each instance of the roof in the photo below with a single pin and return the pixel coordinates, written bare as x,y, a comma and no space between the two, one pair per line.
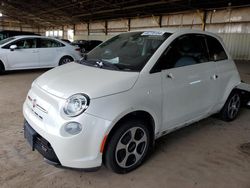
177,31
37,36
67,12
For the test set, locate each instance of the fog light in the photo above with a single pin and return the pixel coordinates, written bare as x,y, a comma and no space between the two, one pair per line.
73,128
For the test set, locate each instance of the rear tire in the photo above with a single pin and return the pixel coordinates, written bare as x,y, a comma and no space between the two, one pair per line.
128,146
231,108
65,60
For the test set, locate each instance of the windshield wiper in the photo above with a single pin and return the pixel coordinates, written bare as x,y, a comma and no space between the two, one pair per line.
99,63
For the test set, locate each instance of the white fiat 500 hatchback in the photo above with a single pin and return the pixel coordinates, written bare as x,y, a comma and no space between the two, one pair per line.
111,106
32,51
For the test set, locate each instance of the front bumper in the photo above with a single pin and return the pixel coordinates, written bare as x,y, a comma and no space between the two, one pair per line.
76,151
37,142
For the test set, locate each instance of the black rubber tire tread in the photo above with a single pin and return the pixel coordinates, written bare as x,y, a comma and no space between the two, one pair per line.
2,69
224,111
109,159
61,60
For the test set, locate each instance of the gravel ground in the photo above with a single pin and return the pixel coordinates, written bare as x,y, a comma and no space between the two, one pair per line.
205,154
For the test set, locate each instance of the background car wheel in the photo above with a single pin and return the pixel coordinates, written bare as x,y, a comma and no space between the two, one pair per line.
65,59
128,146
231,108
2,69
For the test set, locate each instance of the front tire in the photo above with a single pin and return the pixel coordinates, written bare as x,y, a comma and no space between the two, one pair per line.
2,69
65,60
128,147
231,108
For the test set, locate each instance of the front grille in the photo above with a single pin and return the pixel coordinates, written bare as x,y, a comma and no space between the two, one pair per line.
45,149
35,107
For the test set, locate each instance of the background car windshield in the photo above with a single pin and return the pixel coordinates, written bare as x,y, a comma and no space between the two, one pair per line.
129,51
6,40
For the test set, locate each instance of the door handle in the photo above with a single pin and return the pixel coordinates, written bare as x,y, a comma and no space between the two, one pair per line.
34,51
195,82
214,77
170,76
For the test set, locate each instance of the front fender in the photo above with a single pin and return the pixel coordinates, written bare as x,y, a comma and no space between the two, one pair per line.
115,107
157,123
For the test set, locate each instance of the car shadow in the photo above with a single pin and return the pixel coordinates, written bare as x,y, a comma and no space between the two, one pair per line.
162,143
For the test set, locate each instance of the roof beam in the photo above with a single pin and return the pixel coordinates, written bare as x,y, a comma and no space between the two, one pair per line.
126,8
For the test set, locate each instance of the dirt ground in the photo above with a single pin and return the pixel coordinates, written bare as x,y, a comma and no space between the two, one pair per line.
205,154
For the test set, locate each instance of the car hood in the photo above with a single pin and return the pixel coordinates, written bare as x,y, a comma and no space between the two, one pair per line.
72,78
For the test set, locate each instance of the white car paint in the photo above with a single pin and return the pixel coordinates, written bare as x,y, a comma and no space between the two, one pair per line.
97,87
35,57
174,98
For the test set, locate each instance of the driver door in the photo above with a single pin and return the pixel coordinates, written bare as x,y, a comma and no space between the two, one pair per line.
188,78
25,55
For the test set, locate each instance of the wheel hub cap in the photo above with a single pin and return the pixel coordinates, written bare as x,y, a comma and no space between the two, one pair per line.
131,147
234,106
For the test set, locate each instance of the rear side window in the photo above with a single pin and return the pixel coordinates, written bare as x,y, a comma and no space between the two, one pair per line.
49,43
216,51
184,51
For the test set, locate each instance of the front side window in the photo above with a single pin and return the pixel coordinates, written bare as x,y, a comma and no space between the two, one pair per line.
26,43
49,43
129,51
184,51
216,51
23,43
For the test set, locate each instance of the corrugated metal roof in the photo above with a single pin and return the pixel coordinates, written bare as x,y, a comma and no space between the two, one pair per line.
63,12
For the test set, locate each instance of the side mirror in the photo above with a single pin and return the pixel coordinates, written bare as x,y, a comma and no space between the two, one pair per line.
13,47
83,50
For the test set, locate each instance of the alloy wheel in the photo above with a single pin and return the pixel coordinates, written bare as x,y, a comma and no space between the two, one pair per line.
131,147
234,106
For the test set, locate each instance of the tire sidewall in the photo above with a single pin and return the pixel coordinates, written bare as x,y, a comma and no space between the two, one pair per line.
224,112
65,57
2,70
110,160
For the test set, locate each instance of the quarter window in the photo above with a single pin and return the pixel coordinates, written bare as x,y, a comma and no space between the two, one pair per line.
216,51
184,51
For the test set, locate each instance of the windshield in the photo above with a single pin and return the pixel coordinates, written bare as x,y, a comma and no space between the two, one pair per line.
6,40
129,51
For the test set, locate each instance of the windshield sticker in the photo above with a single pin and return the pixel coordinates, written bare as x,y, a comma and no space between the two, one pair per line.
113,61
153,33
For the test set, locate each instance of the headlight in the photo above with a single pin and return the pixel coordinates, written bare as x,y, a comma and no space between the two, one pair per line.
76,104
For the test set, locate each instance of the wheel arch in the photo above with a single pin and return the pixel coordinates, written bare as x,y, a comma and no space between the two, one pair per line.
228,93
231,85
65,55
138,114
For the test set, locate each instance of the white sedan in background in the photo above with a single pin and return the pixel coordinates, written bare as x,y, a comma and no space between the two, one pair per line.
29,52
